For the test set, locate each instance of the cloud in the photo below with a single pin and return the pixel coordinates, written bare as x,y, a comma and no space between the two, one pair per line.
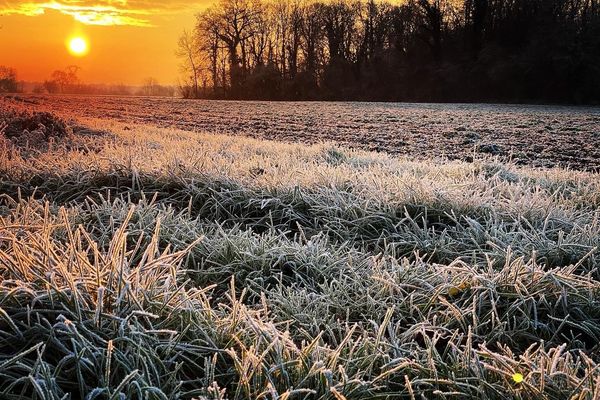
100,12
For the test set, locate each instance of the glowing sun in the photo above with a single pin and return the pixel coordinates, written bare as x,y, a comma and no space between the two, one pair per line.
78,46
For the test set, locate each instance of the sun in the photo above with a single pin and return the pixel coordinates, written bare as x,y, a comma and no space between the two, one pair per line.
78,46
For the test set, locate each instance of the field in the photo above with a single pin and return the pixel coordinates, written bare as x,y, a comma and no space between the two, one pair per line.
540,136
141,258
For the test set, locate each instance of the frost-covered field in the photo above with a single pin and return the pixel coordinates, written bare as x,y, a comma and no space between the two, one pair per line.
532,135
144,262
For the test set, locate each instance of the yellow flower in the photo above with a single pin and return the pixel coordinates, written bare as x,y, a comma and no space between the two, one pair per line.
458,289
517,377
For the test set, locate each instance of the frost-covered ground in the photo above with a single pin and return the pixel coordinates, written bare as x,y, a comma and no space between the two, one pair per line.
533,135
142,262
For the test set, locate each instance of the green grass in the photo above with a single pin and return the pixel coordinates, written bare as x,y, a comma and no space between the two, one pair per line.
158,264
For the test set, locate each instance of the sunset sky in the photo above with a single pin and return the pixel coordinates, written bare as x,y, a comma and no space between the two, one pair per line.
129,40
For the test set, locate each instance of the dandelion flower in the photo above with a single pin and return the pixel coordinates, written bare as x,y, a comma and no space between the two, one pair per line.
518,378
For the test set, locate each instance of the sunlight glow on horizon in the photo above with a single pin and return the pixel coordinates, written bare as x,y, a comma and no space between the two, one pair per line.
131,40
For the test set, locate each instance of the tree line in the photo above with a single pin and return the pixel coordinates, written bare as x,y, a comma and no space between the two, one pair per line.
419,50
67,81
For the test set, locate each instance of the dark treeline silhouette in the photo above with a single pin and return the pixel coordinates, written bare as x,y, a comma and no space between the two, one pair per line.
67,81
421,50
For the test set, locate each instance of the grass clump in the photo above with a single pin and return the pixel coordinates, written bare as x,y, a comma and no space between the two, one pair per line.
163,266
17,123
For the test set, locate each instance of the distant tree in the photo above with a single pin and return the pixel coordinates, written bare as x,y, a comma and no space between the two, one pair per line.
259,42
38,89
8,80
151,87
476,15
207,37
231,21
188,50
433,20
311,34
63,81
51,86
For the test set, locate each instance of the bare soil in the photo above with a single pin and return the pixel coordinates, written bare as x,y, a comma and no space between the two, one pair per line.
543,136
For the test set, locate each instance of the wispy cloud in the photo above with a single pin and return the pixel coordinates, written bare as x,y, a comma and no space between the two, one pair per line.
100,12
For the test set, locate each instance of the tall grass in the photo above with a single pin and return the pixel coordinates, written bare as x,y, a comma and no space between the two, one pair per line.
159,264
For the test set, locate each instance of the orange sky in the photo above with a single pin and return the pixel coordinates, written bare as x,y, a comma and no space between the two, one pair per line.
130,40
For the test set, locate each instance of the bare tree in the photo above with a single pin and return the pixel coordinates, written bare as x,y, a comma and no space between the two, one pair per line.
8,80
432,25
208,39
63,81
188,50
339,24
475,17
149,86
261,38
234,22
311,30
295,21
